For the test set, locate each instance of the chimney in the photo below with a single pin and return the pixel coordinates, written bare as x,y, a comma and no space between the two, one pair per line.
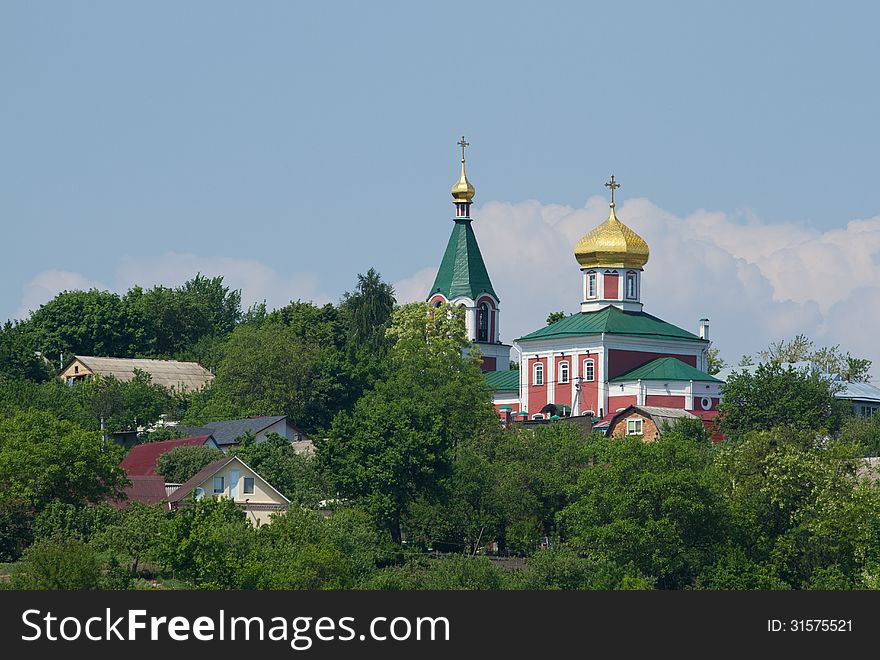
704,328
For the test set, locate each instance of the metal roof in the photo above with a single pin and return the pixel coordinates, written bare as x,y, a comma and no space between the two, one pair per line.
666,368
229,431
167,373
503,381
615,321
462,271
859,392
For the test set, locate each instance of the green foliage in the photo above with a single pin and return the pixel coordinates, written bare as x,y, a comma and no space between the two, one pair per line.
16,519
295,475
135,535
453,572
367,314
44,459
778,396
798,504
562,568
652,505
18,359
60,520
828,360
57,564
182,463
715,361
864,432
554,317
207,543
398,443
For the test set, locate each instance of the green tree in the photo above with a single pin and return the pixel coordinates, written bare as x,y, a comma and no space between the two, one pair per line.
398,443
61,520
716,363
182,463
778,396
57,564
135,535
555,317
367,313
44,459
18,356
652,505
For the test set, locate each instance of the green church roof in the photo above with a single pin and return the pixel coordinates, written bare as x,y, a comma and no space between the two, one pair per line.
666,368
612,320
462,271
503,381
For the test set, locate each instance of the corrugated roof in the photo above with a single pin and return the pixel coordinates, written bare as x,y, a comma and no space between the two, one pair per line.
228,432
859,392
144,489
666,368
141,460
167,373
503,381
462,271
615,321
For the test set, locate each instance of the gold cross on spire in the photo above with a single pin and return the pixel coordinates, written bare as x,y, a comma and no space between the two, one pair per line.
463,144
611,184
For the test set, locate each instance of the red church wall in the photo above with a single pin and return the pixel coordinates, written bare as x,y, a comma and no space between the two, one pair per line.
665,401
697,404
620,361
562,391
616,403
488,364
537,394
514,407
589,389
611,284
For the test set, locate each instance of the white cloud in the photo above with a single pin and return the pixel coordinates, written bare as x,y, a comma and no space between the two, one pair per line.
415,288
47,285
757,282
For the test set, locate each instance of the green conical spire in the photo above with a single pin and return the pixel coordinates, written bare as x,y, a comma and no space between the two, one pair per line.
462,271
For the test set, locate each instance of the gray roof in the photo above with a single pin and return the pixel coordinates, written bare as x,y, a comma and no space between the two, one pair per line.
228,432
167,373
859,392
659,414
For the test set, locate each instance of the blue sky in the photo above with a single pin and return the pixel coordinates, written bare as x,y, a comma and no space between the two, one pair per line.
293,145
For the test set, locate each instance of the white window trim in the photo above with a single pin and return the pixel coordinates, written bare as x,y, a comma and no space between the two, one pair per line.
567,378
537,369
588,377
244,489
632,276
638,426
222,487
592,285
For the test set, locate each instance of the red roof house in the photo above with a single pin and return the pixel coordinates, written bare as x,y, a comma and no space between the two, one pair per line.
141,460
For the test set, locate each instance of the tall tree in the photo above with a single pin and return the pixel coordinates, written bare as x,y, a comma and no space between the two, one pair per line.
398,443
367,313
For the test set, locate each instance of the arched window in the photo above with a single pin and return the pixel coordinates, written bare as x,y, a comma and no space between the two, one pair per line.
563,372
631,286
589,370
591,284
538,375
437,304
483,322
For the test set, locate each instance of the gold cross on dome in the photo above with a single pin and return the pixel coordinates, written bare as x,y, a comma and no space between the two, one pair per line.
611,184
463,144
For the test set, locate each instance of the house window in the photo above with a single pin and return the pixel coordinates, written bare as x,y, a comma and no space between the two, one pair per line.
634,426
538,376
248,485
589,370
219,485
631,286
591,285
563,372
483,322
75,369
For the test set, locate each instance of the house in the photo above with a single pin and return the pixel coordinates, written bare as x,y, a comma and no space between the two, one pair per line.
171,374
864,397
141,460
231,477
228,433
645,421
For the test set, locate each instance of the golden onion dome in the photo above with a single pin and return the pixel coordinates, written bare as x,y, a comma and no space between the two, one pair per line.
612,244
463,190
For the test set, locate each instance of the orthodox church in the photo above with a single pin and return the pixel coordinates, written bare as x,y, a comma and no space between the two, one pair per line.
610,355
